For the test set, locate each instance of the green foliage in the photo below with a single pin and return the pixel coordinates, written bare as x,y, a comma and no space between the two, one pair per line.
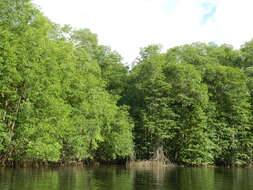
189,101
54,102
194,101
229,115
65,97
171,104
247,54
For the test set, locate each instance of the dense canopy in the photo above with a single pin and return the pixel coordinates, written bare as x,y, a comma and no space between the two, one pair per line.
63,96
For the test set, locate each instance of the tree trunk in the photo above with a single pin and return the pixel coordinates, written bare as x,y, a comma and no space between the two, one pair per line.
159,153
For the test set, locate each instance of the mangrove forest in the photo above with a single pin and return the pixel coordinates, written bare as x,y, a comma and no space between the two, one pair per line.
64,96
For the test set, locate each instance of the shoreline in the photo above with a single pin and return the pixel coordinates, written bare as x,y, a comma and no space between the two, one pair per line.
142,164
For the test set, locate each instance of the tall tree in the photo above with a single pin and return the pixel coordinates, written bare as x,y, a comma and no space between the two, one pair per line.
229,114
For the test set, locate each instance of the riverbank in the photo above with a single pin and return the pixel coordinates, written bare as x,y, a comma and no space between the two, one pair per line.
91,163
148,164
40,164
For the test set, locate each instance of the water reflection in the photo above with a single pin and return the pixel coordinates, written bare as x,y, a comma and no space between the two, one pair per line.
118,178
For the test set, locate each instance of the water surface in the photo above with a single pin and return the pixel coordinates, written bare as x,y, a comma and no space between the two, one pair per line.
119,178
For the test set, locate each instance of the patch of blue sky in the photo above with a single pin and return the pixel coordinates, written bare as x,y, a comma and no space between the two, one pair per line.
209,10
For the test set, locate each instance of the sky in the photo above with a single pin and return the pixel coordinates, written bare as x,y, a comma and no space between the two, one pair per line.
128,25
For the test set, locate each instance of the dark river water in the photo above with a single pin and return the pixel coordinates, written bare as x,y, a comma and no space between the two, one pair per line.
118,178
